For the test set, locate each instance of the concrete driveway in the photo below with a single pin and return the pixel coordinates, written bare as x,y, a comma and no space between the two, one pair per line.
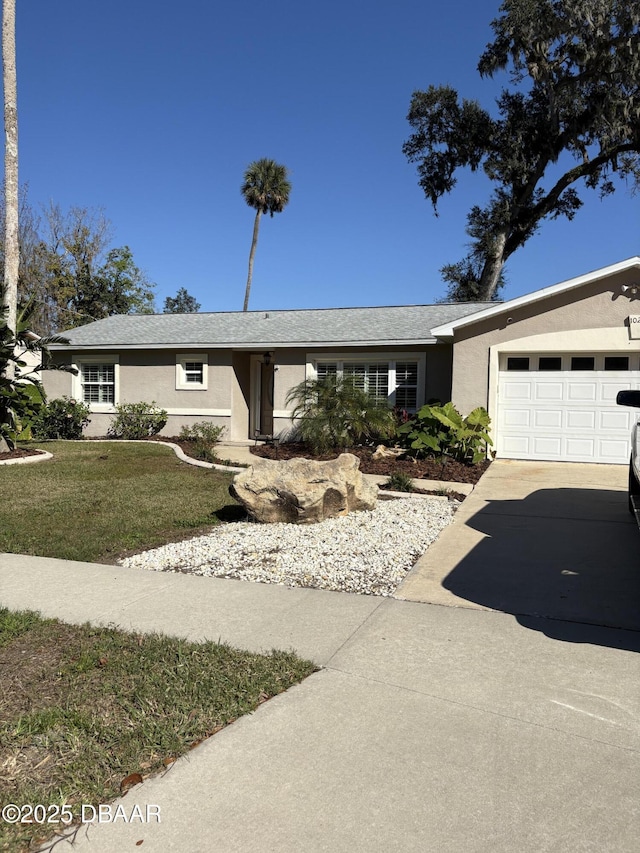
539,539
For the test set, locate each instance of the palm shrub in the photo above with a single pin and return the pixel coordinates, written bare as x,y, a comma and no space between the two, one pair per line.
442,431
399,481
332,413
137,420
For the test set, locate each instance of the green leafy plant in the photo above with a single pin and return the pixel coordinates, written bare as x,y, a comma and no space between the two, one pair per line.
205,436
400,482
442,431
333,413
63,417
137,420
21,394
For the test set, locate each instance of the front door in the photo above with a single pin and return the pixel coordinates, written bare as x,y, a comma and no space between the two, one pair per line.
266,399
261,414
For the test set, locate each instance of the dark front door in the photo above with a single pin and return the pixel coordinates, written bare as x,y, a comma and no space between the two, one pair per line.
266,399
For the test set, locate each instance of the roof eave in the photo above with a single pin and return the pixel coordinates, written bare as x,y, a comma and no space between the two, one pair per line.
252,345
447,330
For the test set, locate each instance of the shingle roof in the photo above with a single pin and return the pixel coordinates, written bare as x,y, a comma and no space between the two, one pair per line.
268,329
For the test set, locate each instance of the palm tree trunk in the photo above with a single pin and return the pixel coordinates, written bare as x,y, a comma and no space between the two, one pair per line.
11,247
254,243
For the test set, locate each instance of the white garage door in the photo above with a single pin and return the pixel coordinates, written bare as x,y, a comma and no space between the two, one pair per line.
568,413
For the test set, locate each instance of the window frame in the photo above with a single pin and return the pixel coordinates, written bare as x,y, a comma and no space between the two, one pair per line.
182,359
78,380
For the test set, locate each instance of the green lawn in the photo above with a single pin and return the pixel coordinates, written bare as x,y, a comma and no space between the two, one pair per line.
82,709
95,501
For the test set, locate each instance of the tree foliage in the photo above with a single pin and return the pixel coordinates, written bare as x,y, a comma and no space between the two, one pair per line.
265,188
182,303
569,119
22,355
69,271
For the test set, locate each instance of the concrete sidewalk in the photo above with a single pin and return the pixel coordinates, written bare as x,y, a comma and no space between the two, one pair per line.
429,728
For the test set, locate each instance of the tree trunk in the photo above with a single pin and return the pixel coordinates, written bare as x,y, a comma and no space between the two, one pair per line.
254,243
492,268
12,252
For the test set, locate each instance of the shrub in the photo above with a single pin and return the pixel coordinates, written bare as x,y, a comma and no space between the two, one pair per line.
400,482
442,431
205,436
333,413
137,420
61,418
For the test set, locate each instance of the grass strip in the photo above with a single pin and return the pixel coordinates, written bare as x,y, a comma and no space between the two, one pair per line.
82,708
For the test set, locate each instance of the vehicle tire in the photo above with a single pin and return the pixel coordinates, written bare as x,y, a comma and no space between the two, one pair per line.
634,486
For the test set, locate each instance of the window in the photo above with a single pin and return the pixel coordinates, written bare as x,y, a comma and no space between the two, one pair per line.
583,362
517,363
550,362
98,383
194,372
323,370
191,371
616,362
372,378
395,382
407,385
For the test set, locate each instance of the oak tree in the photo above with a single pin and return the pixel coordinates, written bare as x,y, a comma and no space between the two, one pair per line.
570,119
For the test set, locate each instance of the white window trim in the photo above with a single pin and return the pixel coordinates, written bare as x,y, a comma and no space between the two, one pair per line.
341,358
181,380
77,388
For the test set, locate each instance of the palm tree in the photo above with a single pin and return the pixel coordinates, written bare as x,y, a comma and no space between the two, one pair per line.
11,248
266,188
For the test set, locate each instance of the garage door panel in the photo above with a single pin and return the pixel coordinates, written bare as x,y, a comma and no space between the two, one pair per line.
518,391
582,446
613,451
517,446
517,418
547,391
621,419
546,444
581,391
564,415
546,418
581,419
609,390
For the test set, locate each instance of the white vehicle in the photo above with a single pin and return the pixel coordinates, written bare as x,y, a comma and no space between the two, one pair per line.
632,398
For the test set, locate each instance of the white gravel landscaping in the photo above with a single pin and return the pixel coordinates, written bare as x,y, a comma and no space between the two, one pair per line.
365,552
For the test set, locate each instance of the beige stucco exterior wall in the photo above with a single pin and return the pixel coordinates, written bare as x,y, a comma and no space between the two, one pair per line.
240,396
150,376
554,324
56,383
231,394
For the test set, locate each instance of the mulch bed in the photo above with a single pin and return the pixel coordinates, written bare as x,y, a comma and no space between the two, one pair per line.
419,469
451,494
448,471
20,453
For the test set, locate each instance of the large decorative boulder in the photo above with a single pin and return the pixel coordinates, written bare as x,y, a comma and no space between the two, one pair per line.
303,491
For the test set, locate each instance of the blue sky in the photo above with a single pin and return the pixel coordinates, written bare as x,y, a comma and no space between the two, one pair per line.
153,110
